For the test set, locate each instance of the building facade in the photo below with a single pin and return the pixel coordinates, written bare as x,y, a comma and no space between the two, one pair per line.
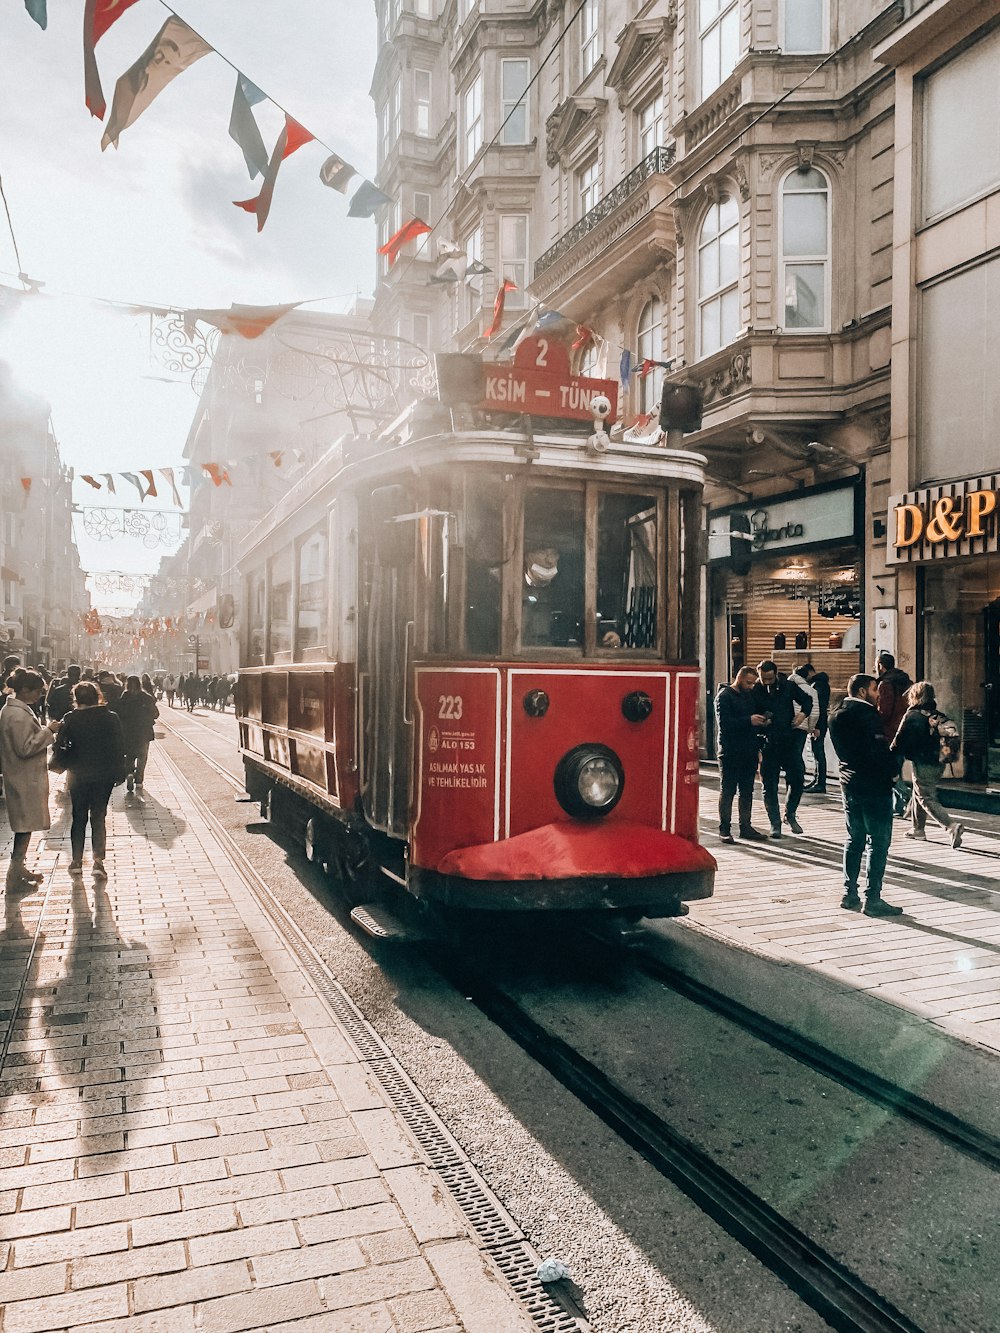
708,185
940,561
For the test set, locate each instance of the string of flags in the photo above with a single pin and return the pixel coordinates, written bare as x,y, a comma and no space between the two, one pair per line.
174,49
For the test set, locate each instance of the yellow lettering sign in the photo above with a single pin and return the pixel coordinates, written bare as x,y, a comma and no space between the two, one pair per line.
981,505
946,523
909,525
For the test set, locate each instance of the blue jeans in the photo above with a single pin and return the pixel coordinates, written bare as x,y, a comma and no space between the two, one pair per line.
869,823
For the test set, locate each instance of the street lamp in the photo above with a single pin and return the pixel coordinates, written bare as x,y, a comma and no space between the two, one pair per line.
195,642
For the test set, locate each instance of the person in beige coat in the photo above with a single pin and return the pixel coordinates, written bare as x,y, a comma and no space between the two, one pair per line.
23,743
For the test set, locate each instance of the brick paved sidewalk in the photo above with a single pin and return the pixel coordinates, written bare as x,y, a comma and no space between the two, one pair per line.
941,960
188,1139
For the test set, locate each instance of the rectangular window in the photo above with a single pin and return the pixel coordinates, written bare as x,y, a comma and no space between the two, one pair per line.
313,573
422,331
590,36
280,646
959,165
389,123
804,24
422,210
423,9
552,590
422,98
465,8
650,126
255,620
719,40
626,571
588,186
473,285
472,119
484,564
514,255
514,76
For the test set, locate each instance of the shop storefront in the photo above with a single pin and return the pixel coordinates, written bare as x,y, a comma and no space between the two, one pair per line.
951,534
801,597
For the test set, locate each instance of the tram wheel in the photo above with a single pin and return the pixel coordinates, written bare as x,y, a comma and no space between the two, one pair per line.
317,843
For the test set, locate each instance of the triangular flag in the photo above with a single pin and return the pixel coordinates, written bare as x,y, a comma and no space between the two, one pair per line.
217,473
243,127
409,231
151,489
293,136
90,481
584,337
109,482
366,200
168,474
625,369
336,173
276,455
26,483
98,16
174,48
38,11
646,367
452,263
249,321
131,476
498,305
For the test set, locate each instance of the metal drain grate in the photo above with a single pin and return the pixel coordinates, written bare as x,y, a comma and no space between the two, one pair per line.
489,1221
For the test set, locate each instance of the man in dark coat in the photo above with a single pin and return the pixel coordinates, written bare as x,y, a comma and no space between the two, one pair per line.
819,681
867,772
777,698
59,699
893,684
739,752
111,688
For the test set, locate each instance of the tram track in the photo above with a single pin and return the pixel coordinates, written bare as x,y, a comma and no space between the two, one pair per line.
830,1287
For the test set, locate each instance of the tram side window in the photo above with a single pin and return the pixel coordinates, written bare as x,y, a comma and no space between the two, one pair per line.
626,571
484,561
281,606
312,594
552,593
255,620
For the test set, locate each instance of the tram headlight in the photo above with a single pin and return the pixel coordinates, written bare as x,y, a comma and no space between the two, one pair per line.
589,781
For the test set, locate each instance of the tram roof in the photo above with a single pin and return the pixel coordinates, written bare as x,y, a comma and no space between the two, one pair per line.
417,442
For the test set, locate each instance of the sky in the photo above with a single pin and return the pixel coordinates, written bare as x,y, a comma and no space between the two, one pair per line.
154,223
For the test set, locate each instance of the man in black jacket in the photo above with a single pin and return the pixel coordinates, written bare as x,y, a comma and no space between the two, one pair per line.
59,699
819,681
867,772
739,752
776,698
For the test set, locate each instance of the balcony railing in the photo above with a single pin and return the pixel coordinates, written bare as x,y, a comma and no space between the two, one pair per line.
658,161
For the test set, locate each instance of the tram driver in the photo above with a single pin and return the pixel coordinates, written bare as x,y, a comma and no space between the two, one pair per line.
551,599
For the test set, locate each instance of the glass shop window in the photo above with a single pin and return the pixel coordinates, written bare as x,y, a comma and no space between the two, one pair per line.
552,583
281,606
309,631
626,571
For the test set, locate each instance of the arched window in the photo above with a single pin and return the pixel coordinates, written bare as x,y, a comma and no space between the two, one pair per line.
719,276
650,348
590,360
805,249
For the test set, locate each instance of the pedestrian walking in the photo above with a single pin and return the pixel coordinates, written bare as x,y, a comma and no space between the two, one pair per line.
110,687
137,711
893,684
170,689
867,773
59,699
929,746
146,682
23,743
779,699
739,753
192,690
92,750
820,683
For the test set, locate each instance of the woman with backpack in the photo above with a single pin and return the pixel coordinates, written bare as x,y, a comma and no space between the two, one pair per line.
929,740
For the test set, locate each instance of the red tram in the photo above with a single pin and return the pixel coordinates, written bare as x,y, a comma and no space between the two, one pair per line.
470,664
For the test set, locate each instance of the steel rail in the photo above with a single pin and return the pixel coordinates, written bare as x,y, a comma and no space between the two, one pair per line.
821,1281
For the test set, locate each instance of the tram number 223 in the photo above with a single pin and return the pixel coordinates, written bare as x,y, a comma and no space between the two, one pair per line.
450,707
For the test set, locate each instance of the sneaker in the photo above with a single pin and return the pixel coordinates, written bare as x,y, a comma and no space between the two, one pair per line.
32,876
726,837
99,871
75,867
752,835
851,902
793,823
775,830
879,907
815,789
956,832
918,835
129,783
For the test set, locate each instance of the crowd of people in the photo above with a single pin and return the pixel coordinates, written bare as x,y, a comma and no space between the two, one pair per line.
764,719
192,689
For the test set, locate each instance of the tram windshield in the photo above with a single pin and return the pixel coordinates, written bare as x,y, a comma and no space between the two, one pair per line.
552,597
626,571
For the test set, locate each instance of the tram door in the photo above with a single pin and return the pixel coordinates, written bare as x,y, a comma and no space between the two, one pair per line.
991,689
385,653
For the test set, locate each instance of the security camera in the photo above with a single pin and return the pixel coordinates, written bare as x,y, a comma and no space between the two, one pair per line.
600,407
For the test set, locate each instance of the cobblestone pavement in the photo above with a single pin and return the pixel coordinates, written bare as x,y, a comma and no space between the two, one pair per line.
188,1139
940,960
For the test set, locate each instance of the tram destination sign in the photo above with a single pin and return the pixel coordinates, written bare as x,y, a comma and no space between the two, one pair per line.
538,382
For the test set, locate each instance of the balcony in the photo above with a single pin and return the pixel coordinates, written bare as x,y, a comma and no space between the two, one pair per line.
622,238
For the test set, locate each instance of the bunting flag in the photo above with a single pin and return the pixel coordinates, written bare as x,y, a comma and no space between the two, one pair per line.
91,482
293,136
584,337
131,476
366,201
98,16
26,483
249,321
168,474
151,488
217,473
409,231
276,455
336,173
38,11
646,367
452,263
243,128
109,482
174,48
498,305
